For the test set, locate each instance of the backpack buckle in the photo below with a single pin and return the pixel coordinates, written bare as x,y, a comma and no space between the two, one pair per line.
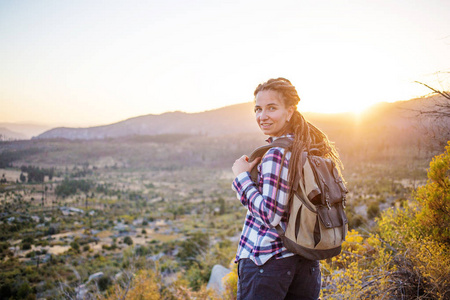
327,201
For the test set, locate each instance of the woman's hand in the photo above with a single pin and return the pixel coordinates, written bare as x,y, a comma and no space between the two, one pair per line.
242,165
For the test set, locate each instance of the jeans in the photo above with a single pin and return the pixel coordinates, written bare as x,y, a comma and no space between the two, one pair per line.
287,278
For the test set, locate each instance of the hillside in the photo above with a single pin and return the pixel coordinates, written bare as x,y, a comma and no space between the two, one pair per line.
237,119
74,210
227,120
21,131
6,134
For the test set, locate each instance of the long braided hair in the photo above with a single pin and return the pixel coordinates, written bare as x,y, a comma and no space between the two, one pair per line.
306,136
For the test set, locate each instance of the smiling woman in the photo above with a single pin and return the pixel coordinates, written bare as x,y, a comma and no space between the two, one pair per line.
267,270
271,114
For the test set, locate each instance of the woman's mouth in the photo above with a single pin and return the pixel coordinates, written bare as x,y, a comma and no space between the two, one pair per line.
265,125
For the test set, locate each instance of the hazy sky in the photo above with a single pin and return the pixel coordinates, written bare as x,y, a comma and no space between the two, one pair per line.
81,63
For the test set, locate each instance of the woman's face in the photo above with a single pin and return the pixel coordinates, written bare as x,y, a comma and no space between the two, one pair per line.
271,113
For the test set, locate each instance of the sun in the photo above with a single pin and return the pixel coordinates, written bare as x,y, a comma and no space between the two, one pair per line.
335,105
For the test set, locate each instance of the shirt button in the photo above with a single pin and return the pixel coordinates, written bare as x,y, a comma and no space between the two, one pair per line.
261,271
289,272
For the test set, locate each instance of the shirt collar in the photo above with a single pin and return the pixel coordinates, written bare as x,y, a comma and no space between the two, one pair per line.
271,139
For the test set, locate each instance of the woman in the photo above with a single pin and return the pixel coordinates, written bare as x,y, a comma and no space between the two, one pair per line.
267,270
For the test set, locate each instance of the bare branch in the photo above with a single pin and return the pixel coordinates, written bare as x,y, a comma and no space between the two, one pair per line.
443,93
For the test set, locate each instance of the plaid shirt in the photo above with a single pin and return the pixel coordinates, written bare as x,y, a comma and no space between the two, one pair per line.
266,206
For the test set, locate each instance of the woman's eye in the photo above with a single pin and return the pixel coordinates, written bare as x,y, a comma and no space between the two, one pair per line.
257,110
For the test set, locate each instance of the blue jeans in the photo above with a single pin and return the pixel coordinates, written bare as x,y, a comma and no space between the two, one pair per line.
287,278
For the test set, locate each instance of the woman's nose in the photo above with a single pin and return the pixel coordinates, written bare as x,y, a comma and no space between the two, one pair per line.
263,115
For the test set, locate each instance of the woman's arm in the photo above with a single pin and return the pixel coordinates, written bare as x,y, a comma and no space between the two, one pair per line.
268,204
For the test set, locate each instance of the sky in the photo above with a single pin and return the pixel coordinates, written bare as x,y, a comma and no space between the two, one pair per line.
86,63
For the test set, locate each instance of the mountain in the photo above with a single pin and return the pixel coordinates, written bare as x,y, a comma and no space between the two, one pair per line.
6,135
227,120
239,118
22,131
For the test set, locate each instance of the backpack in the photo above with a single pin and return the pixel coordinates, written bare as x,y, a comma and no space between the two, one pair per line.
317,224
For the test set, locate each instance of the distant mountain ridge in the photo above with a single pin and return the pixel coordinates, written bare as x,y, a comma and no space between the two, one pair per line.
222,121
236,119
6,135
21,131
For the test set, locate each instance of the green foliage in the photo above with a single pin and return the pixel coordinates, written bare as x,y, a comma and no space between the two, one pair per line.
419,234
373,210
22,178
6,290
75,246
4,250
30,254
127,240
36,174
354,220
26,246
183,187
28,239
408,257
104,283
70,187
7,157
24,291
434,199
195,244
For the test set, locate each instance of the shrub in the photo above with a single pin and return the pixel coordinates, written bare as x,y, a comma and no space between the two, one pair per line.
230,282
104,282
28,240
127,240
408,257
75,246
31,254
24,291
373,210
434,199
26,246
144,285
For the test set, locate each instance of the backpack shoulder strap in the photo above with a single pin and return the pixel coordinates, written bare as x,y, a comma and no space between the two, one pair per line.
285,143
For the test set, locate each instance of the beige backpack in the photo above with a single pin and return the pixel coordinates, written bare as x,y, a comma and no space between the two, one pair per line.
317,224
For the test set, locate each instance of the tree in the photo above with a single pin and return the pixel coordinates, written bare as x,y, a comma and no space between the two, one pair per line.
436,117
445,94
127,240
23,178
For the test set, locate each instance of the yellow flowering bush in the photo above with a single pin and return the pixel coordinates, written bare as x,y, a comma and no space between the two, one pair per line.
357,270
230,282
144,285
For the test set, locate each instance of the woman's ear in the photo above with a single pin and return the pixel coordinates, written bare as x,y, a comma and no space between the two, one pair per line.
291,111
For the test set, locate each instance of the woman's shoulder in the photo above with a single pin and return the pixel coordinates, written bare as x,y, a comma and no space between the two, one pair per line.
280,144
274,154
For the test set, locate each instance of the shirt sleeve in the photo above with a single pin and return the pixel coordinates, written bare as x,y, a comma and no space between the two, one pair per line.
263,200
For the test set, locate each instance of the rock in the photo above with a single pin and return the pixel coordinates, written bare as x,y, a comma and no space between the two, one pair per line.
215,280
95,276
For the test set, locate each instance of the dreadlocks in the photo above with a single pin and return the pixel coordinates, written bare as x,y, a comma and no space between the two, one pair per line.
307,137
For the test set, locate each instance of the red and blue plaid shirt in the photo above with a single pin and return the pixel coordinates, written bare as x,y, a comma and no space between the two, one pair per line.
265,207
